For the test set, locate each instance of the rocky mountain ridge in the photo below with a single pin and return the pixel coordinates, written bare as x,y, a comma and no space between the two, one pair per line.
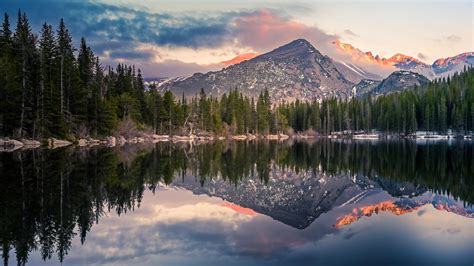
296,198
293,71
396,82
440,68
297,70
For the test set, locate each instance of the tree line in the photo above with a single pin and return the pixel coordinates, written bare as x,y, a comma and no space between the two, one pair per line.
50,88
443,104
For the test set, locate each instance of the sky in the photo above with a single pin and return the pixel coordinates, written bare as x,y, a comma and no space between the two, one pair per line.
169,38
177,227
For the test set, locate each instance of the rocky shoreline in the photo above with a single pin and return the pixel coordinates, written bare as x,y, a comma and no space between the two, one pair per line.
9,144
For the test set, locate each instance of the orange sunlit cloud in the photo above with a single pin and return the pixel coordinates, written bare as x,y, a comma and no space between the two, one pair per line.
239,58
239,208
264,30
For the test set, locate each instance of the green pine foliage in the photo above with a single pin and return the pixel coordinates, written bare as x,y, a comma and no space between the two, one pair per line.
45,90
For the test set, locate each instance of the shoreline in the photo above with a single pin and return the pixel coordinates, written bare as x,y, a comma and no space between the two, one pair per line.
9,144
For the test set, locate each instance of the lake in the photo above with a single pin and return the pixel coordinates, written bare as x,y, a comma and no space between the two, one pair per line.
320,202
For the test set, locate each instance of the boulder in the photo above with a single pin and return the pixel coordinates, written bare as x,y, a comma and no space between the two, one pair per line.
155,136
56,143
10,144
92,141
251,137
271,137
183,138
111,141
82,142
239,137
121,141
31,142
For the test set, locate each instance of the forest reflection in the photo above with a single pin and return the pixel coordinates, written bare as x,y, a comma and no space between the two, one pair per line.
48,197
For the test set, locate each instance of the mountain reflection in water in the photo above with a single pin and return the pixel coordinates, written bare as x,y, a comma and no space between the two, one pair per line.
294,193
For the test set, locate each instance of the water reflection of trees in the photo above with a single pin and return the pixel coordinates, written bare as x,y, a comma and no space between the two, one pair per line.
46,194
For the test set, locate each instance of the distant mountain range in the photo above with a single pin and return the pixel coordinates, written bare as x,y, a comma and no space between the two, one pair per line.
397,81
453,64
440,68
297,70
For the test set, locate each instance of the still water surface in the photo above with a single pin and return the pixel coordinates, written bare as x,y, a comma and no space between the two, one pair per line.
266,203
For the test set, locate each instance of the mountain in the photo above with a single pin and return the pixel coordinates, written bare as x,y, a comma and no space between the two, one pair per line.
440,68
365,86
297,70
404,62
355,73
293,198
401,80
399,61
397,81
449,65
299,198
292,71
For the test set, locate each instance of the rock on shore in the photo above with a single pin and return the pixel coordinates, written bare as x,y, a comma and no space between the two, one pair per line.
57,143
10,144
31,142
111,141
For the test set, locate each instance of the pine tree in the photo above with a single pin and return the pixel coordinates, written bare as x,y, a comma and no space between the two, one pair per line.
169,107
25,53
48,53
6,78
64,63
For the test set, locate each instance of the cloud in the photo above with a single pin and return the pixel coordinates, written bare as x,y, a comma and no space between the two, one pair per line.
120,23
264,30
350,33
187,42
125,24
422,56
167,68
131,55
453,38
